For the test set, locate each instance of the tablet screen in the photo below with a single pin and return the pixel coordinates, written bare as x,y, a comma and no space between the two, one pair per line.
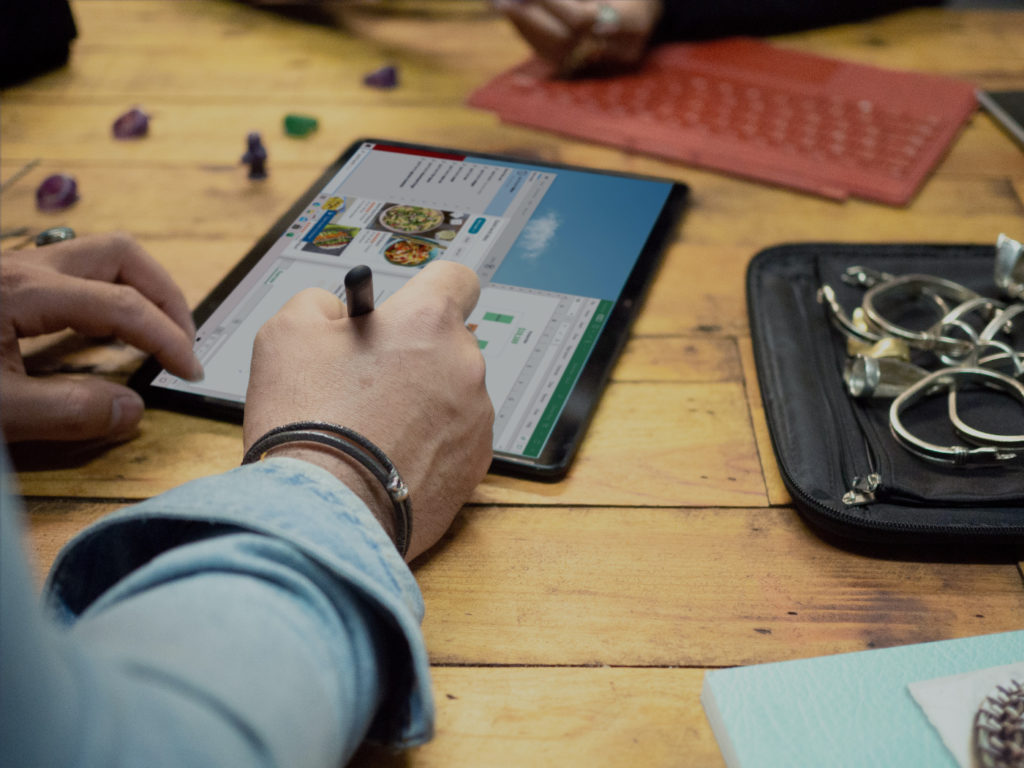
553,247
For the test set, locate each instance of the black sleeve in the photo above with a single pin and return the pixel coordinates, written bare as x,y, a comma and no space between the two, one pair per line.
35,36
704,19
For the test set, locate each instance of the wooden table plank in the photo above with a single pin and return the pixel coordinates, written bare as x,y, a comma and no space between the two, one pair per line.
671,442
590,718
661,587
686,587
662,554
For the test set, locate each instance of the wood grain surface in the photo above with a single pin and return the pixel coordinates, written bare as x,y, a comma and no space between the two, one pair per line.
568,624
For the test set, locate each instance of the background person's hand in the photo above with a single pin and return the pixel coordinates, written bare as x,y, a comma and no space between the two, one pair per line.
99,285
408,376
584,35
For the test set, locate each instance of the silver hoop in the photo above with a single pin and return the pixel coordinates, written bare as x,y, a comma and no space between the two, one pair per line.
946,380
977,436
1002,322
935,288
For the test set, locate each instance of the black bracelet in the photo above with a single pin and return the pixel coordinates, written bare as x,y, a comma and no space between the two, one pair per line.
350,443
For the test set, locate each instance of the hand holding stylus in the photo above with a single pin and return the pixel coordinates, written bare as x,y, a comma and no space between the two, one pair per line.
359,290
408,376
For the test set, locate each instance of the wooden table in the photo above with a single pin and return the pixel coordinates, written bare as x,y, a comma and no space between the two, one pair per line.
568,624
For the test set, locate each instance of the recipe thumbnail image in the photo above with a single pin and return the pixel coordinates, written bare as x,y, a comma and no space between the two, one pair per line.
429,223
331,240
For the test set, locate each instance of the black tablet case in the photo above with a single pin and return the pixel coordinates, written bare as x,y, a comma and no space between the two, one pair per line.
826,442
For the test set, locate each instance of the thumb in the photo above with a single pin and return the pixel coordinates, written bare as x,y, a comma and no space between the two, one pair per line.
67,408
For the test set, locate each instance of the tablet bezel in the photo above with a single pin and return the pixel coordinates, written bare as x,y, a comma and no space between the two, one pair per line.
563,442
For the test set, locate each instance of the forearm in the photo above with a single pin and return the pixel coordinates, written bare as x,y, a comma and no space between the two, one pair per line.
694,20
258,618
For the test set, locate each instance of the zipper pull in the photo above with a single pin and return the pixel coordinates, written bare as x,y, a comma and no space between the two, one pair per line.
863,490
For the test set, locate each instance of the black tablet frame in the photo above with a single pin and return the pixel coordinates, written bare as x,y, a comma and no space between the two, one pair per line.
563,443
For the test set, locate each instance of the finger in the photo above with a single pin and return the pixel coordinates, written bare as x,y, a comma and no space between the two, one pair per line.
66,408
100,309
118,258
544,32
315,303
445,279
577,16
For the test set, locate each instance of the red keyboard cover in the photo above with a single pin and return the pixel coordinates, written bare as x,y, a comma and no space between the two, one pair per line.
748,108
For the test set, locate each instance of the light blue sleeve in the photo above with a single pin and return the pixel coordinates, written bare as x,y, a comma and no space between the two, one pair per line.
260,617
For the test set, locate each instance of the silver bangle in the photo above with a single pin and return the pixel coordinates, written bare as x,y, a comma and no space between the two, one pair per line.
946,380
999,382
1002,322
938,290
350,443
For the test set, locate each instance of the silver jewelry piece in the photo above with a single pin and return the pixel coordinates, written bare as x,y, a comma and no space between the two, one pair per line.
54,235
840,320
876,377
1007,355
607,22
937,290
946,380
1002,322
1009,268
865,277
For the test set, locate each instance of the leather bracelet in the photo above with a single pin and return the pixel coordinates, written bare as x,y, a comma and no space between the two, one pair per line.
352,444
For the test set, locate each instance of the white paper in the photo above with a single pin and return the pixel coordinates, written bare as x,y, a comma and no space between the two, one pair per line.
951,703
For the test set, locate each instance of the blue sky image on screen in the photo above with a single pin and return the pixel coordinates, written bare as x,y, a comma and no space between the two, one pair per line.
584,235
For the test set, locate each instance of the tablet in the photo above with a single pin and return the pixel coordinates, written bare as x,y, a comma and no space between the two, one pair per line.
1007,107
564,255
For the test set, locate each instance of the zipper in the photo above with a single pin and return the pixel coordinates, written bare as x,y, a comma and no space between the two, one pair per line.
863,488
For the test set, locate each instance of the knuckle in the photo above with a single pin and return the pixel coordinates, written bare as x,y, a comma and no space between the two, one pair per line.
13,276
125,301
77,414
122,241
438,314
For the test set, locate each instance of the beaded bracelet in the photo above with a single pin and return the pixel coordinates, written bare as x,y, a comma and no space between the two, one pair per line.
354,445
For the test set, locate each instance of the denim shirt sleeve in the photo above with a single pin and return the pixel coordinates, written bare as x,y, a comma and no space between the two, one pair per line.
278,553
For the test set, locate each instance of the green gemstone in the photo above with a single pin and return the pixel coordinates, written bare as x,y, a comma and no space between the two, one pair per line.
299,125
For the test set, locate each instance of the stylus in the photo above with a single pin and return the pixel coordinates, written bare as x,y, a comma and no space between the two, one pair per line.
359,290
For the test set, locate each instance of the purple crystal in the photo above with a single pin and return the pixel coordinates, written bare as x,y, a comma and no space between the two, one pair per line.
132,124
56,192
385,77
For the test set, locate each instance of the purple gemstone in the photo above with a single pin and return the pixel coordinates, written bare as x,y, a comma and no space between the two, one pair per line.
56,192
385,77
131,125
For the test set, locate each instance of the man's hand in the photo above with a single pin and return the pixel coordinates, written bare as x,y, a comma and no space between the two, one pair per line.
585,35
409,376
101,285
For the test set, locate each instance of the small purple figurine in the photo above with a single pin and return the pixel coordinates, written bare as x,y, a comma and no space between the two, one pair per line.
256,157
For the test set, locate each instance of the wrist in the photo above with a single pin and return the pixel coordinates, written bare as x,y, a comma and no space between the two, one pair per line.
348,446
350,473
